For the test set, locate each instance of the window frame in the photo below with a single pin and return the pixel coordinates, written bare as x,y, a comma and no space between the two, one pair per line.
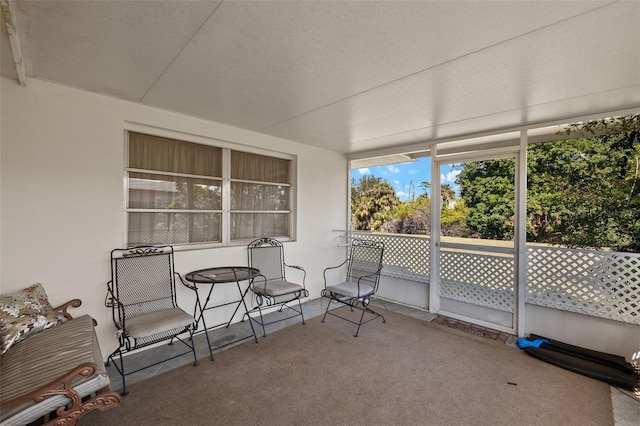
226,181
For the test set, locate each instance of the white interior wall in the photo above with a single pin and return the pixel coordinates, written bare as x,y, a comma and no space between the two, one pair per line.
407,292
61,199
586,331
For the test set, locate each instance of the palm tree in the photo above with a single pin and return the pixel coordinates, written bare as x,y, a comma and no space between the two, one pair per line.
447,194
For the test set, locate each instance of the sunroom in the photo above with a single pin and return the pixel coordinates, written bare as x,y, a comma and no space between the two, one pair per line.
318,89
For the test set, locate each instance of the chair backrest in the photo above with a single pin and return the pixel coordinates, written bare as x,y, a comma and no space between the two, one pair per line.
365,261
142,280
267,254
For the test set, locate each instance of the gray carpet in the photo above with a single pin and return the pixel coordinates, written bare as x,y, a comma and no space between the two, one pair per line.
404,372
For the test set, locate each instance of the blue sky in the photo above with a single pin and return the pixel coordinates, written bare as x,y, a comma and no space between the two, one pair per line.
405,176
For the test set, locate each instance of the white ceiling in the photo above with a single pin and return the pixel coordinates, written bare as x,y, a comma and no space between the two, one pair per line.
346,76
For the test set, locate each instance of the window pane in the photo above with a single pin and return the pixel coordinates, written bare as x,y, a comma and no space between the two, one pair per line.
258,167
251,196
147,191
167,209
173,228
169,155
255,225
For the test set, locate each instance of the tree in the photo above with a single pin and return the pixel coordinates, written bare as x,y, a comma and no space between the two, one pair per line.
453,222
487,188
412,217
372,204
582,192
586,191
365,183
447,194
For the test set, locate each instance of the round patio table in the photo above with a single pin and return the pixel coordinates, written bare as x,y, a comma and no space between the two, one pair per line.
211,277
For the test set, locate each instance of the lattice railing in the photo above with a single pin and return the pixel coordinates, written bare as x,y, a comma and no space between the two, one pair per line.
597,283
481,279
405,257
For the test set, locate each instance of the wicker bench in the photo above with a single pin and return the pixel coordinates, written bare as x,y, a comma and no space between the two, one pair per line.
56,375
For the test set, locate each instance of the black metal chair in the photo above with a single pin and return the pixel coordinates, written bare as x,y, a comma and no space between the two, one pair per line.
363,269
142,295
271,287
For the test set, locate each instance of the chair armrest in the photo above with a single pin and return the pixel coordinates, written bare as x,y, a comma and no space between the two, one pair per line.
368,276
299,268
187,284
324,273
110,299
258,277
103,400
62,309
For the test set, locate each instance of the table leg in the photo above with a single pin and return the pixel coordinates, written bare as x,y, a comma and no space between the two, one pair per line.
198,307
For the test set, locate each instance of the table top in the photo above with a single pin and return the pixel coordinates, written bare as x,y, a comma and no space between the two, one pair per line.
222,274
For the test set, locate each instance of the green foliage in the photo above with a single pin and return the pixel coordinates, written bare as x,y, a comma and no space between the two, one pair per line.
453,221
372,204
488,189
365,183
586,192
411,217
447,194
582,192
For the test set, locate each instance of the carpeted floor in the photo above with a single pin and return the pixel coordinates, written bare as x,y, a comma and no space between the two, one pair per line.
404,372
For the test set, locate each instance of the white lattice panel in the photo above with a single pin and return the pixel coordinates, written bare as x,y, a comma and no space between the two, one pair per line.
597,283
405,257
479,279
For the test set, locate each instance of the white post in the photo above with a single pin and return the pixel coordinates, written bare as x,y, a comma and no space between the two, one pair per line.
434,239
521,233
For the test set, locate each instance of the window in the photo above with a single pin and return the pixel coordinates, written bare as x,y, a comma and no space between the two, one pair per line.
187,193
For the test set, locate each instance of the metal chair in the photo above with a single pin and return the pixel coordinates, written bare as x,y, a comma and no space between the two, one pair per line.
142,295
271,287
363,268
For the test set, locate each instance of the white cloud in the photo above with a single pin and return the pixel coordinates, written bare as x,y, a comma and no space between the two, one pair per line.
396,182
393,169
451,176
364,171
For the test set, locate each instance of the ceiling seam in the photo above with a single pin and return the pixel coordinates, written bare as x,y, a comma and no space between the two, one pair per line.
265,128
180,52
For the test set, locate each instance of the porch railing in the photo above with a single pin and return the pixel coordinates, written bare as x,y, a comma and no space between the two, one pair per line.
591,282
597,283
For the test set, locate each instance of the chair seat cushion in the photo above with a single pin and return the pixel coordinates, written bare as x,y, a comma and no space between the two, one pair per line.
43,358
350,289
276,288
146,325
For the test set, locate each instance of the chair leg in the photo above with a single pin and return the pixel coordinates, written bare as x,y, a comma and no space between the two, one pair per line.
360,322
353,305
326,310
193,348
301,314
264,331
124,392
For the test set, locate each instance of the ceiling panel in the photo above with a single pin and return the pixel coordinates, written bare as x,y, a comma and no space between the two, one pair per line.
345,76
119,48
504,83
263,63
